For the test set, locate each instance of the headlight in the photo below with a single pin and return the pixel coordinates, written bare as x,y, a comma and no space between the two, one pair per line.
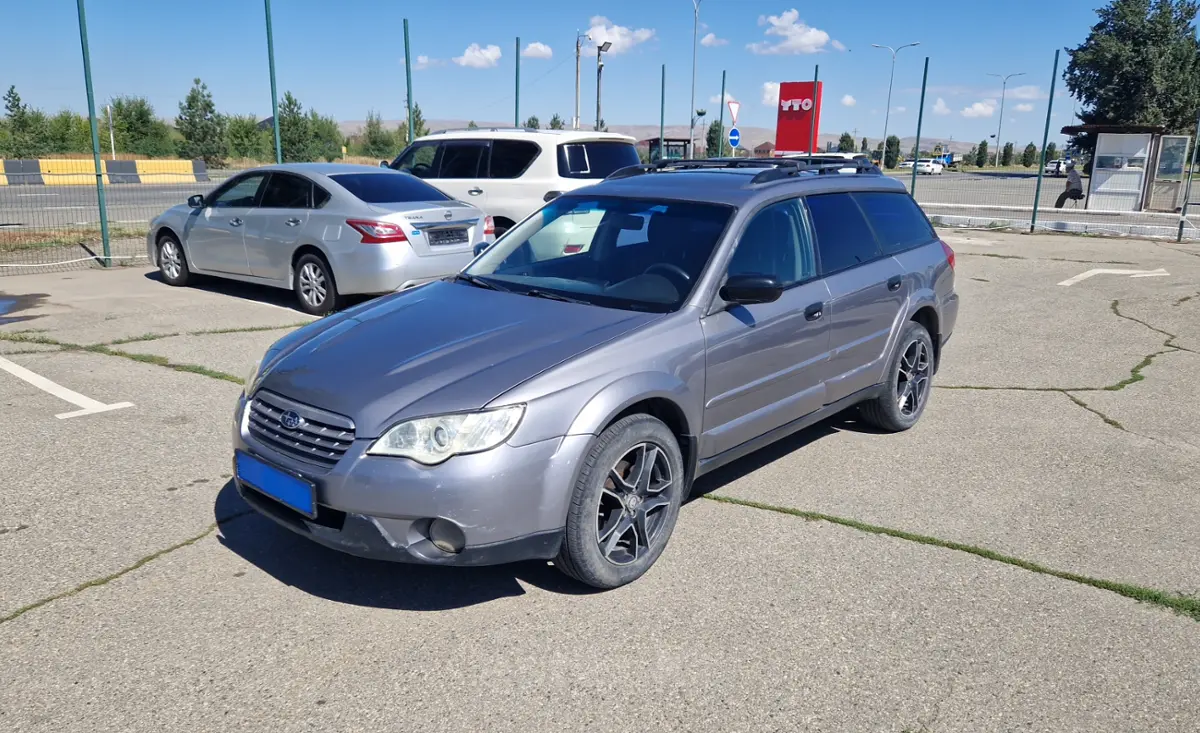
431,440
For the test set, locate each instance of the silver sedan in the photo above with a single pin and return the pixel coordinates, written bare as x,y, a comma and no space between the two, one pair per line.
323,230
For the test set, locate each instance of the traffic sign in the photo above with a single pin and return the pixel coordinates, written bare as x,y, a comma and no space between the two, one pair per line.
734,106
735,137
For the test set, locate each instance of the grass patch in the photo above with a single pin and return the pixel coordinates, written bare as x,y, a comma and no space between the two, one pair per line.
164,362
1181,604
143,337
246,329
1107,420
16,240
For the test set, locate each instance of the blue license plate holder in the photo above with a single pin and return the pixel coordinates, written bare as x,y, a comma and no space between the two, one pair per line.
286,488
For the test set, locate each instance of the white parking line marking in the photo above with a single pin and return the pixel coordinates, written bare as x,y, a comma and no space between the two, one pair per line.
1133,273
87,405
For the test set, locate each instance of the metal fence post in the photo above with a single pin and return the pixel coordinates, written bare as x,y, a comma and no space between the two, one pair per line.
274,92
408,82
721,120
662,116
812,125
1037,192
1187,188
517,93
920,120
91,98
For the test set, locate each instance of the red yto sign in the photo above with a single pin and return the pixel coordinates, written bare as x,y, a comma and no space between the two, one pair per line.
799,106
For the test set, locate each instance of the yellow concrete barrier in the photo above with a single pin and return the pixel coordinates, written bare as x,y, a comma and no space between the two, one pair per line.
3,178
68,172
165,171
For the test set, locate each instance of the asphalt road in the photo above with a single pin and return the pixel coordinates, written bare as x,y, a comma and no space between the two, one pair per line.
972,574
58,206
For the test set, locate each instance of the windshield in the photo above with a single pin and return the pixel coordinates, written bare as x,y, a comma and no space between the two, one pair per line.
388,188
637,254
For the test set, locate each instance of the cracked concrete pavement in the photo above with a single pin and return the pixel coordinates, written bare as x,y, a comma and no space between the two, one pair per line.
123,606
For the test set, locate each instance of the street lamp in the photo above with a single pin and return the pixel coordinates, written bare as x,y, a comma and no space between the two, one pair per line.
1000,125
692,106
600,68
888,112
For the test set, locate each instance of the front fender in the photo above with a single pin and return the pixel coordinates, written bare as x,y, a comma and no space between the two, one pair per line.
620,395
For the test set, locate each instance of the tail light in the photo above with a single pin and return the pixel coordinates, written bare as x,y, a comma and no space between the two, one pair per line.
949,254
571,249
378,232
489,226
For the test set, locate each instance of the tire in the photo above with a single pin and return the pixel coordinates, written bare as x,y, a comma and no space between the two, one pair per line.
315,288
616,531
172,262
912,365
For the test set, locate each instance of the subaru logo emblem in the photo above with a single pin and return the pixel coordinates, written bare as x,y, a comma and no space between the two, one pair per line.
290,420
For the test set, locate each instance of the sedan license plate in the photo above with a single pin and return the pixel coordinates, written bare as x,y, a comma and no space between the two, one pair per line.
283,487
439,237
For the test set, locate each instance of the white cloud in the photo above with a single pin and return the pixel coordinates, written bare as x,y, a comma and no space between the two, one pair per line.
537,50
712,40
716,99
798,37
770,93
838,46
622,38
849,101
423,62
1024,107
479,58
940,108
980,109
900,109
1029,91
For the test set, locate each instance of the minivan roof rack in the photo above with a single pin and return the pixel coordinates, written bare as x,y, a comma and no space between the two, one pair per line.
486,129
773,168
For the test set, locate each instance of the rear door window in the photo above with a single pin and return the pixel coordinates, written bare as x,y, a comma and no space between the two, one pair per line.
462,160
285,191
510,158
896,219
387,188
844,239
595,159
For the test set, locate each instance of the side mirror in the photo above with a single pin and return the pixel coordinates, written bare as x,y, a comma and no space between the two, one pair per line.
751,289
384,164
196,201
551,195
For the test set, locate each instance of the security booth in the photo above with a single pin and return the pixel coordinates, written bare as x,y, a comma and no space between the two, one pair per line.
1135,167
674,148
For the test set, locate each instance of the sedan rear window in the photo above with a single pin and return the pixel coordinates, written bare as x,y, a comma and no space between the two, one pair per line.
595,159
388,188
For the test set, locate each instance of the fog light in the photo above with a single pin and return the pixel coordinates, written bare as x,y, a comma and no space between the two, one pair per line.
446,536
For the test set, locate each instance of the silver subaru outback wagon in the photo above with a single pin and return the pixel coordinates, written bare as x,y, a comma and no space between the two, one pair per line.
557,398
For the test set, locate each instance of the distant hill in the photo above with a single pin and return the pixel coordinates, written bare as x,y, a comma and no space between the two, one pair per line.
751,136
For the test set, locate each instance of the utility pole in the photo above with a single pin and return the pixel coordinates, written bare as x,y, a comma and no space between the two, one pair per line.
1000,125
91,98
578,48
274,93
517,92
692,108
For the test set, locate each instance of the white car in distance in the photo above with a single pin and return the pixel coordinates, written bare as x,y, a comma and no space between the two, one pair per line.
929,167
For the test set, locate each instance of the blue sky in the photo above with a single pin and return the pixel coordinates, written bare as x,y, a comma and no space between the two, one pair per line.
347,57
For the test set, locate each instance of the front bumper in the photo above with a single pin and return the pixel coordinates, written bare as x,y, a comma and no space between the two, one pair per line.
510,503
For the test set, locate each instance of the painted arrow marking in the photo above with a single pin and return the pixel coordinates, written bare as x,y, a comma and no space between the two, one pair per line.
1132,273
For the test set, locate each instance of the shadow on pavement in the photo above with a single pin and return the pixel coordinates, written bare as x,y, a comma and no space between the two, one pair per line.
315,569
247,291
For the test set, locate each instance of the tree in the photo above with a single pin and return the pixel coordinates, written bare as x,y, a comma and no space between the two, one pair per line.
716,144
846,143
25,130
891,157
556,122
376,141
981,154
972,156
245,140
203,130
1006,154
68,132
864,148
419,127
138,130
1140,64
1029,157
327,138
533,122
1052,151
472,126
295,131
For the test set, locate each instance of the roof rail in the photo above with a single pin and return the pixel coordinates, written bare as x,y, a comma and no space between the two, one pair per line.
774,168
486,129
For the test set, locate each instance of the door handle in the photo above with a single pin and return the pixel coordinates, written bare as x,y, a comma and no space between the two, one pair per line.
893,282
292,222
475,191
235,222
814,312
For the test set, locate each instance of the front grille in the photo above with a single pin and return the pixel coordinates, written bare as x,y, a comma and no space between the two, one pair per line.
439,237
322,438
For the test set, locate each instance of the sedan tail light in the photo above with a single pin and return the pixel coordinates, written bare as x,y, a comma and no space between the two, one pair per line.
489,225
378,232
949,254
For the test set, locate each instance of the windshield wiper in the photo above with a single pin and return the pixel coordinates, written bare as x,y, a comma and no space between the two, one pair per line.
535,293
479,282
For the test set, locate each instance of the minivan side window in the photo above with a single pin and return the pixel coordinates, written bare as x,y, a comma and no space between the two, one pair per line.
844,239
510,158
775,243
896,219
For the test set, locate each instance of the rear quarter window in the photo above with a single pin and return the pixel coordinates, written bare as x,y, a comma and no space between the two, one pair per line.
595,159
387,188
898,222
844,239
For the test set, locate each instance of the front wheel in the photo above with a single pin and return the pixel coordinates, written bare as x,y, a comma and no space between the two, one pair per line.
910,381
624,505
172,263
314,285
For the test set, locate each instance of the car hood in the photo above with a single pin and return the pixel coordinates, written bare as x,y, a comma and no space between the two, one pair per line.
442,347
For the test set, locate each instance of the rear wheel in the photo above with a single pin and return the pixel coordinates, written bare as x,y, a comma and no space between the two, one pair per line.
315,288
624,505
910,382
171,261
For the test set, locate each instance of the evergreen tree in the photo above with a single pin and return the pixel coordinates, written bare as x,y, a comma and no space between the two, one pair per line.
376,141
846,143
138,130
245,140
716,144
1052,151
981,154
891,157
1029,157
203,130
1006,154
295,131
472,126
864,147
556,122
327,138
